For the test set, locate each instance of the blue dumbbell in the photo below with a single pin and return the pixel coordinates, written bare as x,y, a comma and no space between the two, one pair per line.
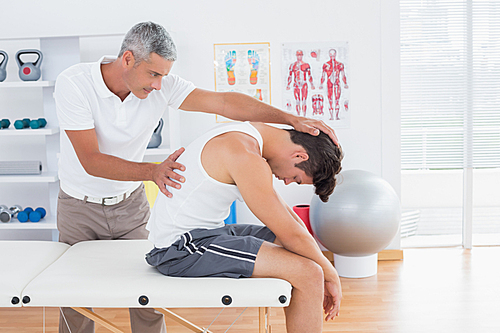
37,214
42,211
28,214
38,123
24,215
20,124
4,123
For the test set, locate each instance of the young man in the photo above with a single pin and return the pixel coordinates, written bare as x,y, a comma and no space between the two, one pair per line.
107,111
237,161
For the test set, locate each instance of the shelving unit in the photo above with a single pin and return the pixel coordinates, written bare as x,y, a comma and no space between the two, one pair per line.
59,53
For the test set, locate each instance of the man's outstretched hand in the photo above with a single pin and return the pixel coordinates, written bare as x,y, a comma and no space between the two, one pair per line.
164,174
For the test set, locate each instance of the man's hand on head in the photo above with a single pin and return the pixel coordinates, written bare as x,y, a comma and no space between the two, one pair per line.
313,127
164,174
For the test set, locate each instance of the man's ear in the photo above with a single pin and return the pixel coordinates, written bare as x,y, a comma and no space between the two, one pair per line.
128,59
301,156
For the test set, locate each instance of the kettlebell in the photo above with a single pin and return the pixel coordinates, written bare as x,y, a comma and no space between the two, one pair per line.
155,140
3,65
29,71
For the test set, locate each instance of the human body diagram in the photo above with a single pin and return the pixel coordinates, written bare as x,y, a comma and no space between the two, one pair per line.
315,81
300,73
333,71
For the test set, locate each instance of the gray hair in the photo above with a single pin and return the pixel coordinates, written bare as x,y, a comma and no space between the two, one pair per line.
146,38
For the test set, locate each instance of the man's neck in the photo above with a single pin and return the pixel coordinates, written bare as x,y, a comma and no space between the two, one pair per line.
112,76
275,140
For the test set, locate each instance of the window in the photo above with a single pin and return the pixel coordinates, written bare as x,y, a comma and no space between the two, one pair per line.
450,114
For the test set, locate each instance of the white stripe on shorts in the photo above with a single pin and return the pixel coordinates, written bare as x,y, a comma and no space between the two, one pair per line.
232,250
230,256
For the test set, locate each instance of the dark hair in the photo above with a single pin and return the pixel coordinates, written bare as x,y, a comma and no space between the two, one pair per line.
147,37
324,161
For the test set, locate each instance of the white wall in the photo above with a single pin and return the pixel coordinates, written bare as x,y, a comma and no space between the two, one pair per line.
371,28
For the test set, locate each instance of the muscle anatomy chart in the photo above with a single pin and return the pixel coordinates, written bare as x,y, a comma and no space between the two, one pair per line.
316,81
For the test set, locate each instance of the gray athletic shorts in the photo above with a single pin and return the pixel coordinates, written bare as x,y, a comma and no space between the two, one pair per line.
229,251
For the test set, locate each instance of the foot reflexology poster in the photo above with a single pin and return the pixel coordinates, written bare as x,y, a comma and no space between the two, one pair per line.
244,68
315,79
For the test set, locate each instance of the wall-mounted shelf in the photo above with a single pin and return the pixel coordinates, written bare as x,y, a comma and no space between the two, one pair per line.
27,84
45,177
47,223
28,131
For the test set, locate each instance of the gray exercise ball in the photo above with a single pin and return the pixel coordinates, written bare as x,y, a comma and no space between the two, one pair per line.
361,217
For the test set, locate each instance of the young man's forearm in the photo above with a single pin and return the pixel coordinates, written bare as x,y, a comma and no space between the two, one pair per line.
304,244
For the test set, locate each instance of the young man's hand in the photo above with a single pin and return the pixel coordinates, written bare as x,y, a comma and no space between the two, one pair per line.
333,296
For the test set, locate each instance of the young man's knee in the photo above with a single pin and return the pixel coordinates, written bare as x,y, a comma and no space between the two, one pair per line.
310,271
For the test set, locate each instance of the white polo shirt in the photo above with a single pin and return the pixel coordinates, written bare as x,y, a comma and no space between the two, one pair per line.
83,101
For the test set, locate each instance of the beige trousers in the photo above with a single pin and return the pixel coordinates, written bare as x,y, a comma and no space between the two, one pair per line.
78,221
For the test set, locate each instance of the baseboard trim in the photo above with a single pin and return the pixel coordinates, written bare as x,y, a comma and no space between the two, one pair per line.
390,255
382,255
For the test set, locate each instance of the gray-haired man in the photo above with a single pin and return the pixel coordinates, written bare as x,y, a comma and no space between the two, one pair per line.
107,112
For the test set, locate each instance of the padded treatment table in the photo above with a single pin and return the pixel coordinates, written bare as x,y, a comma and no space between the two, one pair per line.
20,262
114,274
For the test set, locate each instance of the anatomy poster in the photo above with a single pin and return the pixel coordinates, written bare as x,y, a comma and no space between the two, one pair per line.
316,81
244,68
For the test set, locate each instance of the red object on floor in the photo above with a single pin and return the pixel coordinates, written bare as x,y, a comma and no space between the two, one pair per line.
303,212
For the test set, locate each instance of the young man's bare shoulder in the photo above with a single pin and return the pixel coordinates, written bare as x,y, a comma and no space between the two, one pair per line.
230,154
236,144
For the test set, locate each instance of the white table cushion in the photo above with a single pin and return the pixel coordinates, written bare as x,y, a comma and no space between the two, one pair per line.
20,262
115,274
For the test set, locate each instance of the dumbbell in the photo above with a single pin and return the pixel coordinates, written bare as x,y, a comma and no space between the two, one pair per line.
34,124
38,123
32,215
4,214
38,214
23,216
7,214
4,123
20,124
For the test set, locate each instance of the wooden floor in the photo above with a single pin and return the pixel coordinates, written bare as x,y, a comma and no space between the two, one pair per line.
431,290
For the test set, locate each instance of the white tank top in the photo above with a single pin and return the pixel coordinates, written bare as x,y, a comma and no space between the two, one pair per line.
202,202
